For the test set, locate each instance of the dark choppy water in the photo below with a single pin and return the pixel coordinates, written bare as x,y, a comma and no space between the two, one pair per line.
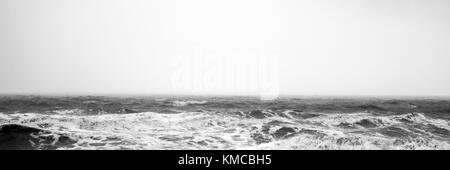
167,122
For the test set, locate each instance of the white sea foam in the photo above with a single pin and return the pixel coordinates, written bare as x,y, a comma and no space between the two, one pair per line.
185,103
203,130
69,111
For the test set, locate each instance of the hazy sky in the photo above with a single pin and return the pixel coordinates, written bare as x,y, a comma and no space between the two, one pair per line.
347,47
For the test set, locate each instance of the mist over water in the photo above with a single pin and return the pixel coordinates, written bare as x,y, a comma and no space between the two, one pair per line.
173,122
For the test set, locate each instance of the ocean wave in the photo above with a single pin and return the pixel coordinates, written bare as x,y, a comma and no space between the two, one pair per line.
178,103
257,129
15,136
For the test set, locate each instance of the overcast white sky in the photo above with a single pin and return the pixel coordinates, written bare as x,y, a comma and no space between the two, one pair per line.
335,47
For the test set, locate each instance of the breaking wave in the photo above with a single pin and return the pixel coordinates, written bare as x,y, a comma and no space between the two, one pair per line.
253,129
189,102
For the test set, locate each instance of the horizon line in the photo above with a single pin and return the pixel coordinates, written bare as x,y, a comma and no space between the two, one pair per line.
226,95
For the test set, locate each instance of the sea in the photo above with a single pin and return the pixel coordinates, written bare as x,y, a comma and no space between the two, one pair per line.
223,123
